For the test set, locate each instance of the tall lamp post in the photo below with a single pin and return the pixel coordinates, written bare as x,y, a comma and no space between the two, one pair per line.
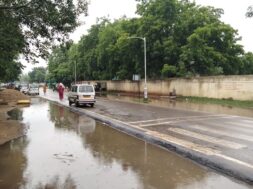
75,65
75,71
145,66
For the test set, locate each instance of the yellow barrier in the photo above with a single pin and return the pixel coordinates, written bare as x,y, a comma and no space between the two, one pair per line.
23,102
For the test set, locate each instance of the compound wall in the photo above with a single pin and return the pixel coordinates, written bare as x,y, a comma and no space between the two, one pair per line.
235,87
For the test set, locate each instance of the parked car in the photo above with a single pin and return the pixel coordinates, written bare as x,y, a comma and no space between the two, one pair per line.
33,89
82,94
2,86
24,88
17,86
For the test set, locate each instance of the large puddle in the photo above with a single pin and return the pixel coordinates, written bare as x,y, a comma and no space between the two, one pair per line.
63,150
170,103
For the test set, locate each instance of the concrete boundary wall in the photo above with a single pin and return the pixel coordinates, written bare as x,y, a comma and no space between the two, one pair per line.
235,87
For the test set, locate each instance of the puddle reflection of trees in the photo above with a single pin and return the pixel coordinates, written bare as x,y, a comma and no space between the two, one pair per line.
184,104
156,168
65,119
56,183
13,163
15,114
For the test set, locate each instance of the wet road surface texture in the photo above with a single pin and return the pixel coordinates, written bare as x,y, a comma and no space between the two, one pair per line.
65,150
223,142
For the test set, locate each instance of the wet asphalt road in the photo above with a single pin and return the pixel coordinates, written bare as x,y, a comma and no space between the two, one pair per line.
223,142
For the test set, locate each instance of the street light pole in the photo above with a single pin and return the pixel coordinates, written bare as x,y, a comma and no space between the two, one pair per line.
145,70
145,66
75,71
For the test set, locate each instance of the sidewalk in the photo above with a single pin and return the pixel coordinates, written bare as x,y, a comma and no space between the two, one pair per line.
221,142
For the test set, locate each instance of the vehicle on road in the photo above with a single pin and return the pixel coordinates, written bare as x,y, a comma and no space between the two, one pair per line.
33,89
24,88
82,94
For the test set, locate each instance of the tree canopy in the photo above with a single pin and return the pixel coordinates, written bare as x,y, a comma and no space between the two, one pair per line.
183,40
249,12
37,75
31,27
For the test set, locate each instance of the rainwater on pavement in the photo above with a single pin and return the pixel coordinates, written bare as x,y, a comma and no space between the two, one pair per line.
184,105
65,150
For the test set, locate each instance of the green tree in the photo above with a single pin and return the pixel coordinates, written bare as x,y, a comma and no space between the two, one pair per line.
12,43
183,39
169,71
212,50
11,71
30,27
247,63
38,74
157,19
87,53
24,78
249,12
72,63
58,65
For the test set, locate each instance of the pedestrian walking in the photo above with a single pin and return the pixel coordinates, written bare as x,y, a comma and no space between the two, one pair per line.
45,88
61,91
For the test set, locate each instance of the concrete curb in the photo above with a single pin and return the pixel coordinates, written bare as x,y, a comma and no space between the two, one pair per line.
213,162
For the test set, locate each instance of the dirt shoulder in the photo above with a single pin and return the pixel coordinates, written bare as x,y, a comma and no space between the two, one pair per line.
10,129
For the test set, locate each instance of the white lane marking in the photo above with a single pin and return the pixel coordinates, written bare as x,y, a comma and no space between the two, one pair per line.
231,126
198,148
226,133
238,124
207,138
248,121
112,119
173,122
184,143
155,124
235,160
175,118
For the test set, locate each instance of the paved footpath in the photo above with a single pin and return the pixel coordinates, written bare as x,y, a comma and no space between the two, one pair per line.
222,142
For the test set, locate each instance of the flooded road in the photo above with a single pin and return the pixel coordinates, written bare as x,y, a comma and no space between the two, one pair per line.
65,150
184,105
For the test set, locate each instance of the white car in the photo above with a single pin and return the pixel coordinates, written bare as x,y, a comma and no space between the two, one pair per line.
82,94
33,89
24,88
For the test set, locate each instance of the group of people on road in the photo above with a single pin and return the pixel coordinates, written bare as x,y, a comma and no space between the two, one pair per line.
60,88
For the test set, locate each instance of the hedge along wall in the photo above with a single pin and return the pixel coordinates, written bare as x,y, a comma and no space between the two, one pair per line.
236,87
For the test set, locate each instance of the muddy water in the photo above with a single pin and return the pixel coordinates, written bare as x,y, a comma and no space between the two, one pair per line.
65,150
166,102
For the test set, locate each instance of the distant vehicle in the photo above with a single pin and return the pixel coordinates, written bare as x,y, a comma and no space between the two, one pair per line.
2,86
17,87
54,86
10,86
24,88
82,94
33,89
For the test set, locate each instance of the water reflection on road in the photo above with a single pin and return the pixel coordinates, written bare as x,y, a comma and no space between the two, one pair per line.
185,105
65,150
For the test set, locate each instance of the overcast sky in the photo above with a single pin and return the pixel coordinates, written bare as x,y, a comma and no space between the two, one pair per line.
234,14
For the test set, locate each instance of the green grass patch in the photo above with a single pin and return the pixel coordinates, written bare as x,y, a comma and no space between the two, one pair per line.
223,102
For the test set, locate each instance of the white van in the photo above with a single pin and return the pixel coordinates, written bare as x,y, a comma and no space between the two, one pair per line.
33,89
82,94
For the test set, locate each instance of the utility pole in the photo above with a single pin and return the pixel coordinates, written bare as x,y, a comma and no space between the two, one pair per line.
145,66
